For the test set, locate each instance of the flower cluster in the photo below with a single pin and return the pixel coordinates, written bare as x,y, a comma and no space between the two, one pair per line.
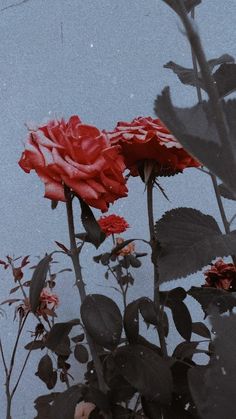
148,139
221,275
78,156
113,224
48,302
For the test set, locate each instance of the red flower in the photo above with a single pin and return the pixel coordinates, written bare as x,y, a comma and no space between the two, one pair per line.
113,224
48,302
148,139
79,156
221,275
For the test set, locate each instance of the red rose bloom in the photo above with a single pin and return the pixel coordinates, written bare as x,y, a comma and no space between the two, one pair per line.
113,224
79,156
148,139
221,275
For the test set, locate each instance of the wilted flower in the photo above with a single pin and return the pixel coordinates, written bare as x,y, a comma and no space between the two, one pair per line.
79,156
113,224
221,275
126,250
83,410
48,302
148,139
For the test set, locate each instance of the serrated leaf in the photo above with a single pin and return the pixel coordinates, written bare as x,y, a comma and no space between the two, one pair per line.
58,333
91,226
195,129
209,297
145,370
102,319
187,75
194,238
81,354
64,404
38,281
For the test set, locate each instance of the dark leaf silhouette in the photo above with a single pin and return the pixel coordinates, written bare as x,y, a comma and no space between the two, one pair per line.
209,297
196,131
102,319
131,317
145,370
46,373
201,329
188,241
185,350
81,354
92,228
189,4
64,404
58,333
38,281
213,387
182,320
225,192
54,204
35,344
224,77
78,338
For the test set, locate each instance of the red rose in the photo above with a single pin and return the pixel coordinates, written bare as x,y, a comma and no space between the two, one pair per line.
113,224
221,275
79,156
148,139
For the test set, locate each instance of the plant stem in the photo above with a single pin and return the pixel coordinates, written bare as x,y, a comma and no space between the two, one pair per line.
210,86
153,244
226,223
81,286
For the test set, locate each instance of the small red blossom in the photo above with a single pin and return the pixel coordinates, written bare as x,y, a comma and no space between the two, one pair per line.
79,156
113,224
48,302
221,275
148,139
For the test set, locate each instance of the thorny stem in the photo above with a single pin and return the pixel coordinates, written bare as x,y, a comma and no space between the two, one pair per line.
226,223
153,244
81,286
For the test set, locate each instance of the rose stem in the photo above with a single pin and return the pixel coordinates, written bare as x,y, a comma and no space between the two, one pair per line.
207,78
213,177
153,244
81,286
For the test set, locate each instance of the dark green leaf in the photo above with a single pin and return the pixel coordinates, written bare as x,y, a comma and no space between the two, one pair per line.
102,319
225,192
131,321
225,79
92,228
145,370
81,354
195,129
78,338
134,261
65,403
187,75
187,235
182,320
38,281
46,373
201,330
35,344
209,297
185,350
58,333
189,4
213,387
